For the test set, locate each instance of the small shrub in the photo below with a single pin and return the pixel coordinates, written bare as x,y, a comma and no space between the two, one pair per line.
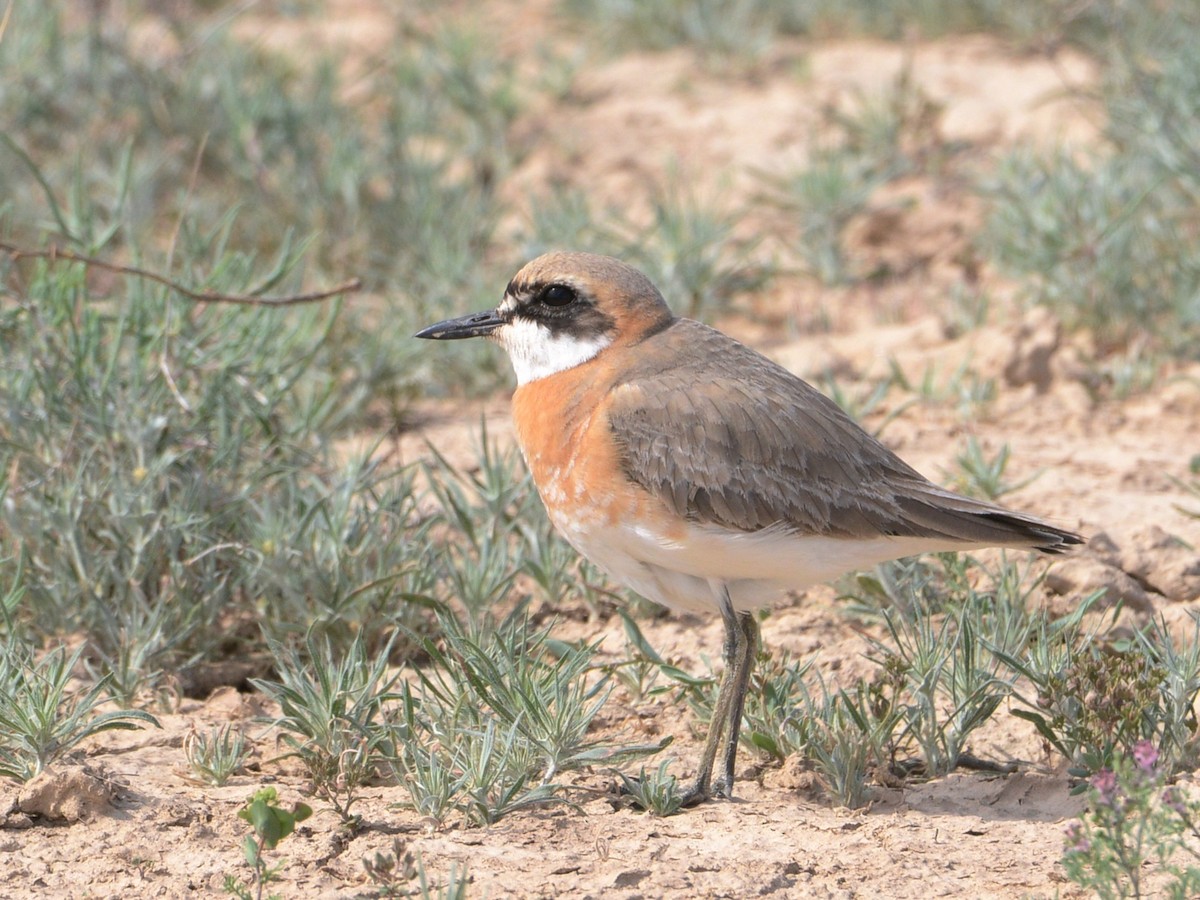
1135,831
217,756
271,823
42,719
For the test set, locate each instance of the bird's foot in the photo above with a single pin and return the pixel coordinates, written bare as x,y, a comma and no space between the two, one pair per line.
694,796
702,791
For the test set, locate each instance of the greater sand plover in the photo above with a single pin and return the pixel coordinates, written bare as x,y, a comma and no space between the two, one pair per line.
698,472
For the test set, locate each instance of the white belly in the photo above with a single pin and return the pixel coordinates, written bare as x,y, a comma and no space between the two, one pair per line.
692,573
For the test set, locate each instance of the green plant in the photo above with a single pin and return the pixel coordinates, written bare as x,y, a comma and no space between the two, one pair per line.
689,250
953,627
866,403
1095,699
541,692
393,872
41,718
897,129
964,387
847,735
453,888
333,715
1175,724
499,527
1120,374
982,477
747,29
951,687
639,669
496,718
429,743
153,450
862,148
1192,487
271,823
389,872
500,777
907,585
227,145
656,791
1107,237
825,195
777,686
341,554
217,756
1134,821
740,29
969,308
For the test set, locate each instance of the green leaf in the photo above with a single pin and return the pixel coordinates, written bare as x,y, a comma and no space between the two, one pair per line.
1039,722
265,820
766,743
609,755
676,674
250,850
635,637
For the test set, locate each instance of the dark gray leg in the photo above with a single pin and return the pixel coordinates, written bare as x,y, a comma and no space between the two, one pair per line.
701,788
747,656
740,650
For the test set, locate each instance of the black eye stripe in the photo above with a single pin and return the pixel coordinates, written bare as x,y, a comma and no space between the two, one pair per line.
562,309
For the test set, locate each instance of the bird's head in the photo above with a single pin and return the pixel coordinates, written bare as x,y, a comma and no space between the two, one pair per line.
562,310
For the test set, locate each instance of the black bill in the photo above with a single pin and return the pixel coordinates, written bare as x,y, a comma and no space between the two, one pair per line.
474,325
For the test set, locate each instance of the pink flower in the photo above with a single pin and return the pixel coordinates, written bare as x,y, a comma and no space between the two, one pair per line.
1105,784
1145,756
1172,798
1077,842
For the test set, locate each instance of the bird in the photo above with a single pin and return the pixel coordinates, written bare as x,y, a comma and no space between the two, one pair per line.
699,473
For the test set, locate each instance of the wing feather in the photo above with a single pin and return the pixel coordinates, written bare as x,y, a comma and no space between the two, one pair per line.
725,437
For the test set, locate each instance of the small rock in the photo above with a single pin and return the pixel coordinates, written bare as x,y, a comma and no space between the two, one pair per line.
16,821
1083,575
1034,345
1102,545
67,793
10,816
1163,563
794,775
631,878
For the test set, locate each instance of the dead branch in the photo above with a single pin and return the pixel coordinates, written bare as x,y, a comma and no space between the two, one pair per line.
54,254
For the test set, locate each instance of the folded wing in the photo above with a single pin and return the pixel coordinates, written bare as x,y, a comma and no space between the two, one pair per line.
753,447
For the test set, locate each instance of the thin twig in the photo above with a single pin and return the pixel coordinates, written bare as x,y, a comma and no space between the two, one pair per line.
55,254
164,352
7,17
165,368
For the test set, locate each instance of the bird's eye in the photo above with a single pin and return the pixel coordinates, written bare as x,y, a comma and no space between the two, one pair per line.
557,295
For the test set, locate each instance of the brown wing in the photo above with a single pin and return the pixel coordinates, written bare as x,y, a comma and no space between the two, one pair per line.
729,438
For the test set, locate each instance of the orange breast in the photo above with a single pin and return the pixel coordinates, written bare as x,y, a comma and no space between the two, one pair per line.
562,426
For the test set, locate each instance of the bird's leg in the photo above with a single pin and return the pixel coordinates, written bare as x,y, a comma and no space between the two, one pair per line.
747,653
732,651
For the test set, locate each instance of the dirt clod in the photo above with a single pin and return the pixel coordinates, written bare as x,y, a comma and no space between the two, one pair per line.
1036,340
1084,575
68,793
1164,563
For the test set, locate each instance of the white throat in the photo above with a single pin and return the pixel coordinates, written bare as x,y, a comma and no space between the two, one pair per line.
536,352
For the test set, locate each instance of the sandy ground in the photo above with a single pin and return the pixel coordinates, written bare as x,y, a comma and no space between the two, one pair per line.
125,820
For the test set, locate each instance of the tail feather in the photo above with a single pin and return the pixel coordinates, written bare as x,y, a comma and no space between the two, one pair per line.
936,511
